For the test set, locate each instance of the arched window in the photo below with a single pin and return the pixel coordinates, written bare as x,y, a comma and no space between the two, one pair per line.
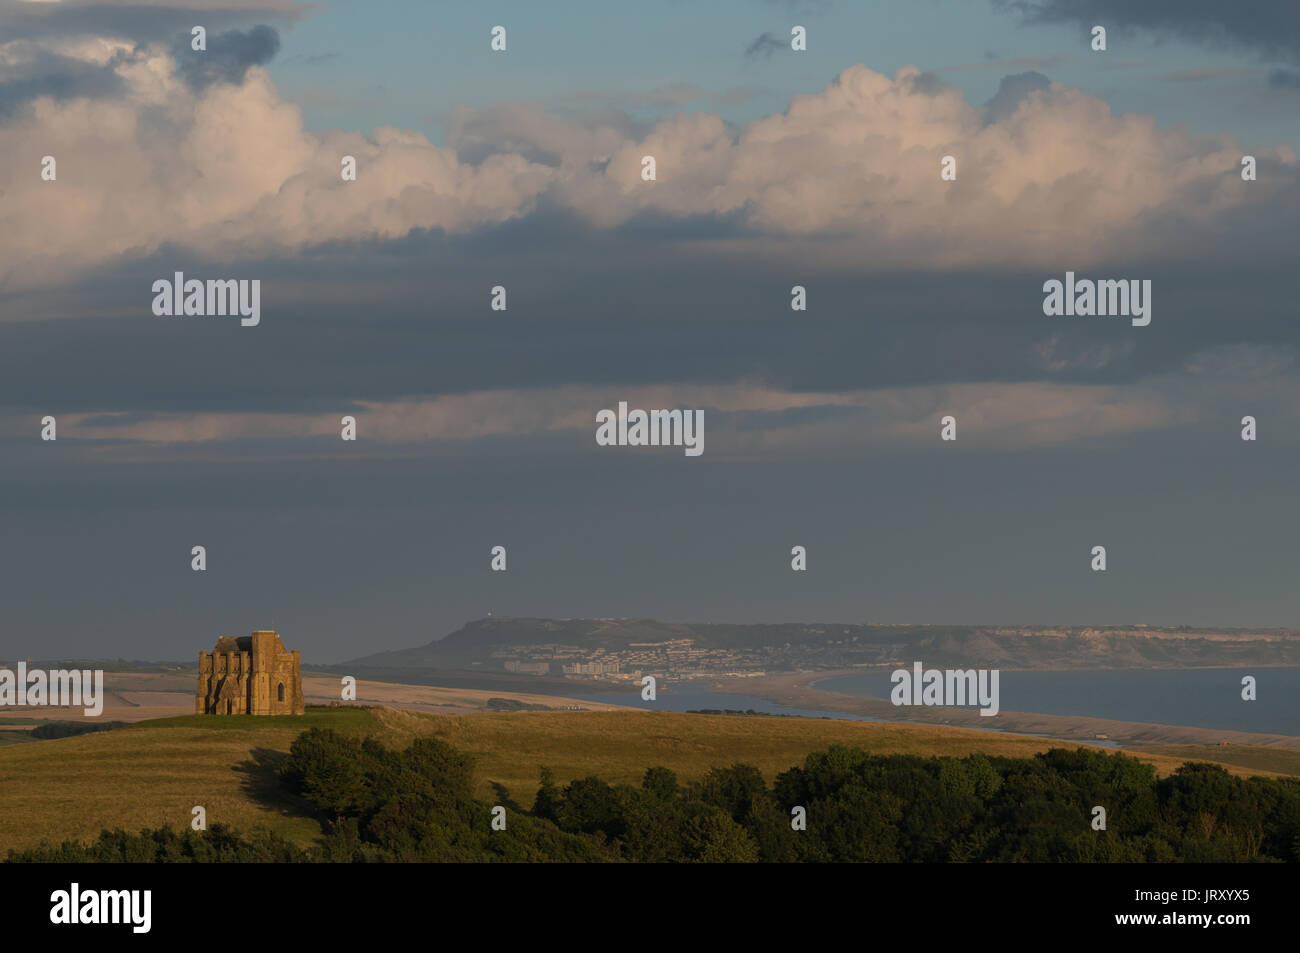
281,691
229,706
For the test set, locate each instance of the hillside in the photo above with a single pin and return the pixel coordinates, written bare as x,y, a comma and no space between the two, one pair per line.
155,771
793,646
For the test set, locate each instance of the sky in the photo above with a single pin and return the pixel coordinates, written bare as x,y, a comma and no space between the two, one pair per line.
522,169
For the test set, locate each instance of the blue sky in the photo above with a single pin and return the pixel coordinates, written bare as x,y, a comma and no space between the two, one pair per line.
357,65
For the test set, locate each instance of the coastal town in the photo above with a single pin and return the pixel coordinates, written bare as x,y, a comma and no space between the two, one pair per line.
681,659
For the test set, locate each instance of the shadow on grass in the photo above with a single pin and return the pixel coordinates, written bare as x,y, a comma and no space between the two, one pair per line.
504,799
261,782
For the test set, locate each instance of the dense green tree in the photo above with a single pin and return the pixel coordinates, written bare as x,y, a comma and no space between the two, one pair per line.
327,768
660,783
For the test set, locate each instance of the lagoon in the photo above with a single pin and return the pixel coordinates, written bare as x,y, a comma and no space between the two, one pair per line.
1197,698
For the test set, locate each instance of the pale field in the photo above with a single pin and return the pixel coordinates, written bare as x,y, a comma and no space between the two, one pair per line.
137,696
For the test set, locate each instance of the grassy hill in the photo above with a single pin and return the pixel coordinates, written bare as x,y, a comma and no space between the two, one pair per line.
837,645
155,772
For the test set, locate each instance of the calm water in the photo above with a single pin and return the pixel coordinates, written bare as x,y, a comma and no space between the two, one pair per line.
1199,698
688,699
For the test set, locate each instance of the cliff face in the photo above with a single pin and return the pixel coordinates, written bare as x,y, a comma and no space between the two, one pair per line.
815,645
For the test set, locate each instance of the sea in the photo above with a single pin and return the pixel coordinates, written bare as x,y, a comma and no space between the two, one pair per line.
1197,698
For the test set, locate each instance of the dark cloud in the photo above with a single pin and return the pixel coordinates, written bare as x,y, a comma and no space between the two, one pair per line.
50,74
764,45
228,55
1284,79
1012,91
46,73
1267,28
144,24
382,320
928,83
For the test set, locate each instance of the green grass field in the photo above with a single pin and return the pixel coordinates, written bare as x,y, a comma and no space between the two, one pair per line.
1277,760
155,772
